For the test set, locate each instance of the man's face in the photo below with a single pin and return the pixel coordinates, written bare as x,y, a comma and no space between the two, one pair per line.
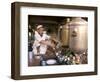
41,30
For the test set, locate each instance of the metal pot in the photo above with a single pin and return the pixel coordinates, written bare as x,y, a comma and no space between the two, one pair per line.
78,35
65,33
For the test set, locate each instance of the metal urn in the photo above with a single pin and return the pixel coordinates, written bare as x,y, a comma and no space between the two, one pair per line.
65,33
78,35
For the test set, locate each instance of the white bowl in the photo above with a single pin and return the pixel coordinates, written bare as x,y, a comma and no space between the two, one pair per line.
51,61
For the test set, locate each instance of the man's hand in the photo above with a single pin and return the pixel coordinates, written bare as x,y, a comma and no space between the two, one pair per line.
51,44
43,42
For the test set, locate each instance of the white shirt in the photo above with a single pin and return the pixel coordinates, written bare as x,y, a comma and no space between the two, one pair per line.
39,38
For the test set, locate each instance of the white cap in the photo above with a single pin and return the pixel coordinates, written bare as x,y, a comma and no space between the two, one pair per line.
39,26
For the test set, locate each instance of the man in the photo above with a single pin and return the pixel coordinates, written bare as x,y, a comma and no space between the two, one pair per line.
41,41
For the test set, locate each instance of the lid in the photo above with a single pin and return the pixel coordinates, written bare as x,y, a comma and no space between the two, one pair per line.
78,21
